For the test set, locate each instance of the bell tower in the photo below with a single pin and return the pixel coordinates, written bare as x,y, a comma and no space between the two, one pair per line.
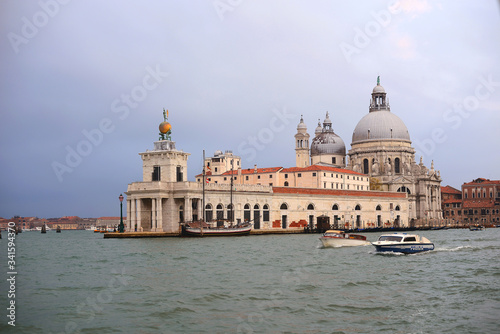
302,145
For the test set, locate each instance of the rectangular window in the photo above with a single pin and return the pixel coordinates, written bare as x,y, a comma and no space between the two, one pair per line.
258,177
179,174
271,176
156,173
286,176
324,184
334,160
246,177
299,175
225,178
314,174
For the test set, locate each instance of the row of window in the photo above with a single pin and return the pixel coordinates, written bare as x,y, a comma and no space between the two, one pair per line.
466,193
472,212
397,165
284,206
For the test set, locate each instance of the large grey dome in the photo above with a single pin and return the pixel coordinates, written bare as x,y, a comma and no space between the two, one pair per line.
327,143
381,124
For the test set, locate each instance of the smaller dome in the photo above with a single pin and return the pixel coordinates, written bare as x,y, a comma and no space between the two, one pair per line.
378,89
165,127
319,128
217,153
327,143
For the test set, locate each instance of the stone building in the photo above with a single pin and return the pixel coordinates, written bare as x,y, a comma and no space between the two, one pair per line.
272,198
381,148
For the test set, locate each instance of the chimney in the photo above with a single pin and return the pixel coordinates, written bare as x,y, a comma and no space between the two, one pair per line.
255,168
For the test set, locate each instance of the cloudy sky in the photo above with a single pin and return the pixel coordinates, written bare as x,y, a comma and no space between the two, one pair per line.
83,85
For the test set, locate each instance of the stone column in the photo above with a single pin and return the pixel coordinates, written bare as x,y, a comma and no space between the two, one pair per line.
188,209
139,215
133,215
200,208
129,215
153,214
159,209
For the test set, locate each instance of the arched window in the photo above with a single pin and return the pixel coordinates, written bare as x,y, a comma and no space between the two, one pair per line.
208,212
284,206
220,212
365,166
286,183
335,207
246,212
378,208
265,213
310,207
181,213
404,189
397,168
397,208
358,207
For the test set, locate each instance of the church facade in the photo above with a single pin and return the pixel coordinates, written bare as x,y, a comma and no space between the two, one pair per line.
379,186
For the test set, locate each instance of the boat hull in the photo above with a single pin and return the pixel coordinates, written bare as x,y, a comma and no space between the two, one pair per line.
216,232
342,242
405,248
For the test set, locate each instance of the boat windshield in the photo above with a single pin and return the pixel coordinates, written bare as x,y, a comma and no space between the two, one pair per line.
390,238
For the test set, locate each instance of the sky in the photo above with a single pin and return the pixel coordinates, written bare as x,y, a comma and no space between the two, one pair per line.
83,85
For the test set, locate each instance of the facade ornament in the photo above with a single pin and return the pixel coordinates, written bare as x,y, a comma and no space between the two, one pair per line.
375,166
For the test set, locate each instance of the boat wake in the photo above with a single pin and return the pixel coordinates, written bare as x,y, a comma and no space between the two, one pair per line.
453,249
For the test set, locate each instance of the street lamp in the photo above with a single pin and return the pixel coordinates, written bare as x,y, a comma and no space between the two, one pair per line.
121,227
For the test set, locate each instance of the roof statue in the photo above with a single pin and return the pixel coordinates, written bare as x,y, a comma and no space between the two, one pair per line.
165,127
378,80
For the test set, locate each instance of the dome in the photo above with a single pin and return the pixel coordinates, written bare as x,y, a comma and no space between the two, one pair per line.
378,89
327,143
319,129
381,124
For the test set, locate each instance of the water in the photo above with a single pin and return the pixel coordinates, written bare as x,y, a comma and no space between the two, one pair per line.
77,281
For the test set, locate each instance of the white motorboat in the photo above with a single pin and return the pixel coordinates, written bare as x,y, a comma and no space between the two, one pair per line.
334,238
403,243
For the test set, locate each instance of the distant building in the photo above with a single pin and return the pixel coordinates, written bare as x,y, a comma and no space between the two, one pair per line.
451,204
109,222
481,201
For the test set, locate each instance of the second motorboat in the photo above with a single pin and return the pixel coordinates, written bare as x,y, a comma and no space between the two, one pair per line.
403,243
334,238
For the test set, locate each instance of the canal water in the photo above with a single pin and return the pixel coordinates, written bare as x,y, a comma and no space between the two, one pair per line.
78,282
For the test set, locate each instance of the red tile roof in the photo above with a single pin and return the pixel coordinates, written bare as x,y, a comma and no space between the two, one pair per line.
252,171
320,168
451,200
482,181
450,190
334,192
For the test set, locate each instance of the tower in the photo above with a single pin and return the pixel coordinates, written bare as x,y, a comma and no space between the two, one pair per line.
302,145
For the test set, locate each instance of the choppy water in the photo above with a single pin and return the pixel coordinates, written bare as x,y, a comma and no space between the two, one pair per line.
79,282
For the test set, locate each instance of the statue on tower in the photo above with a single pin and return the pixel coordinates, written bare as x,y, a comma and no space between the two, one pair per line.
165,127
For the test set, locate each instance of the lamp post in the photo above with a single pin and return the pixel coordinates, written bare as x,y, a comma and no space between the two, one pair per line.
121,227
